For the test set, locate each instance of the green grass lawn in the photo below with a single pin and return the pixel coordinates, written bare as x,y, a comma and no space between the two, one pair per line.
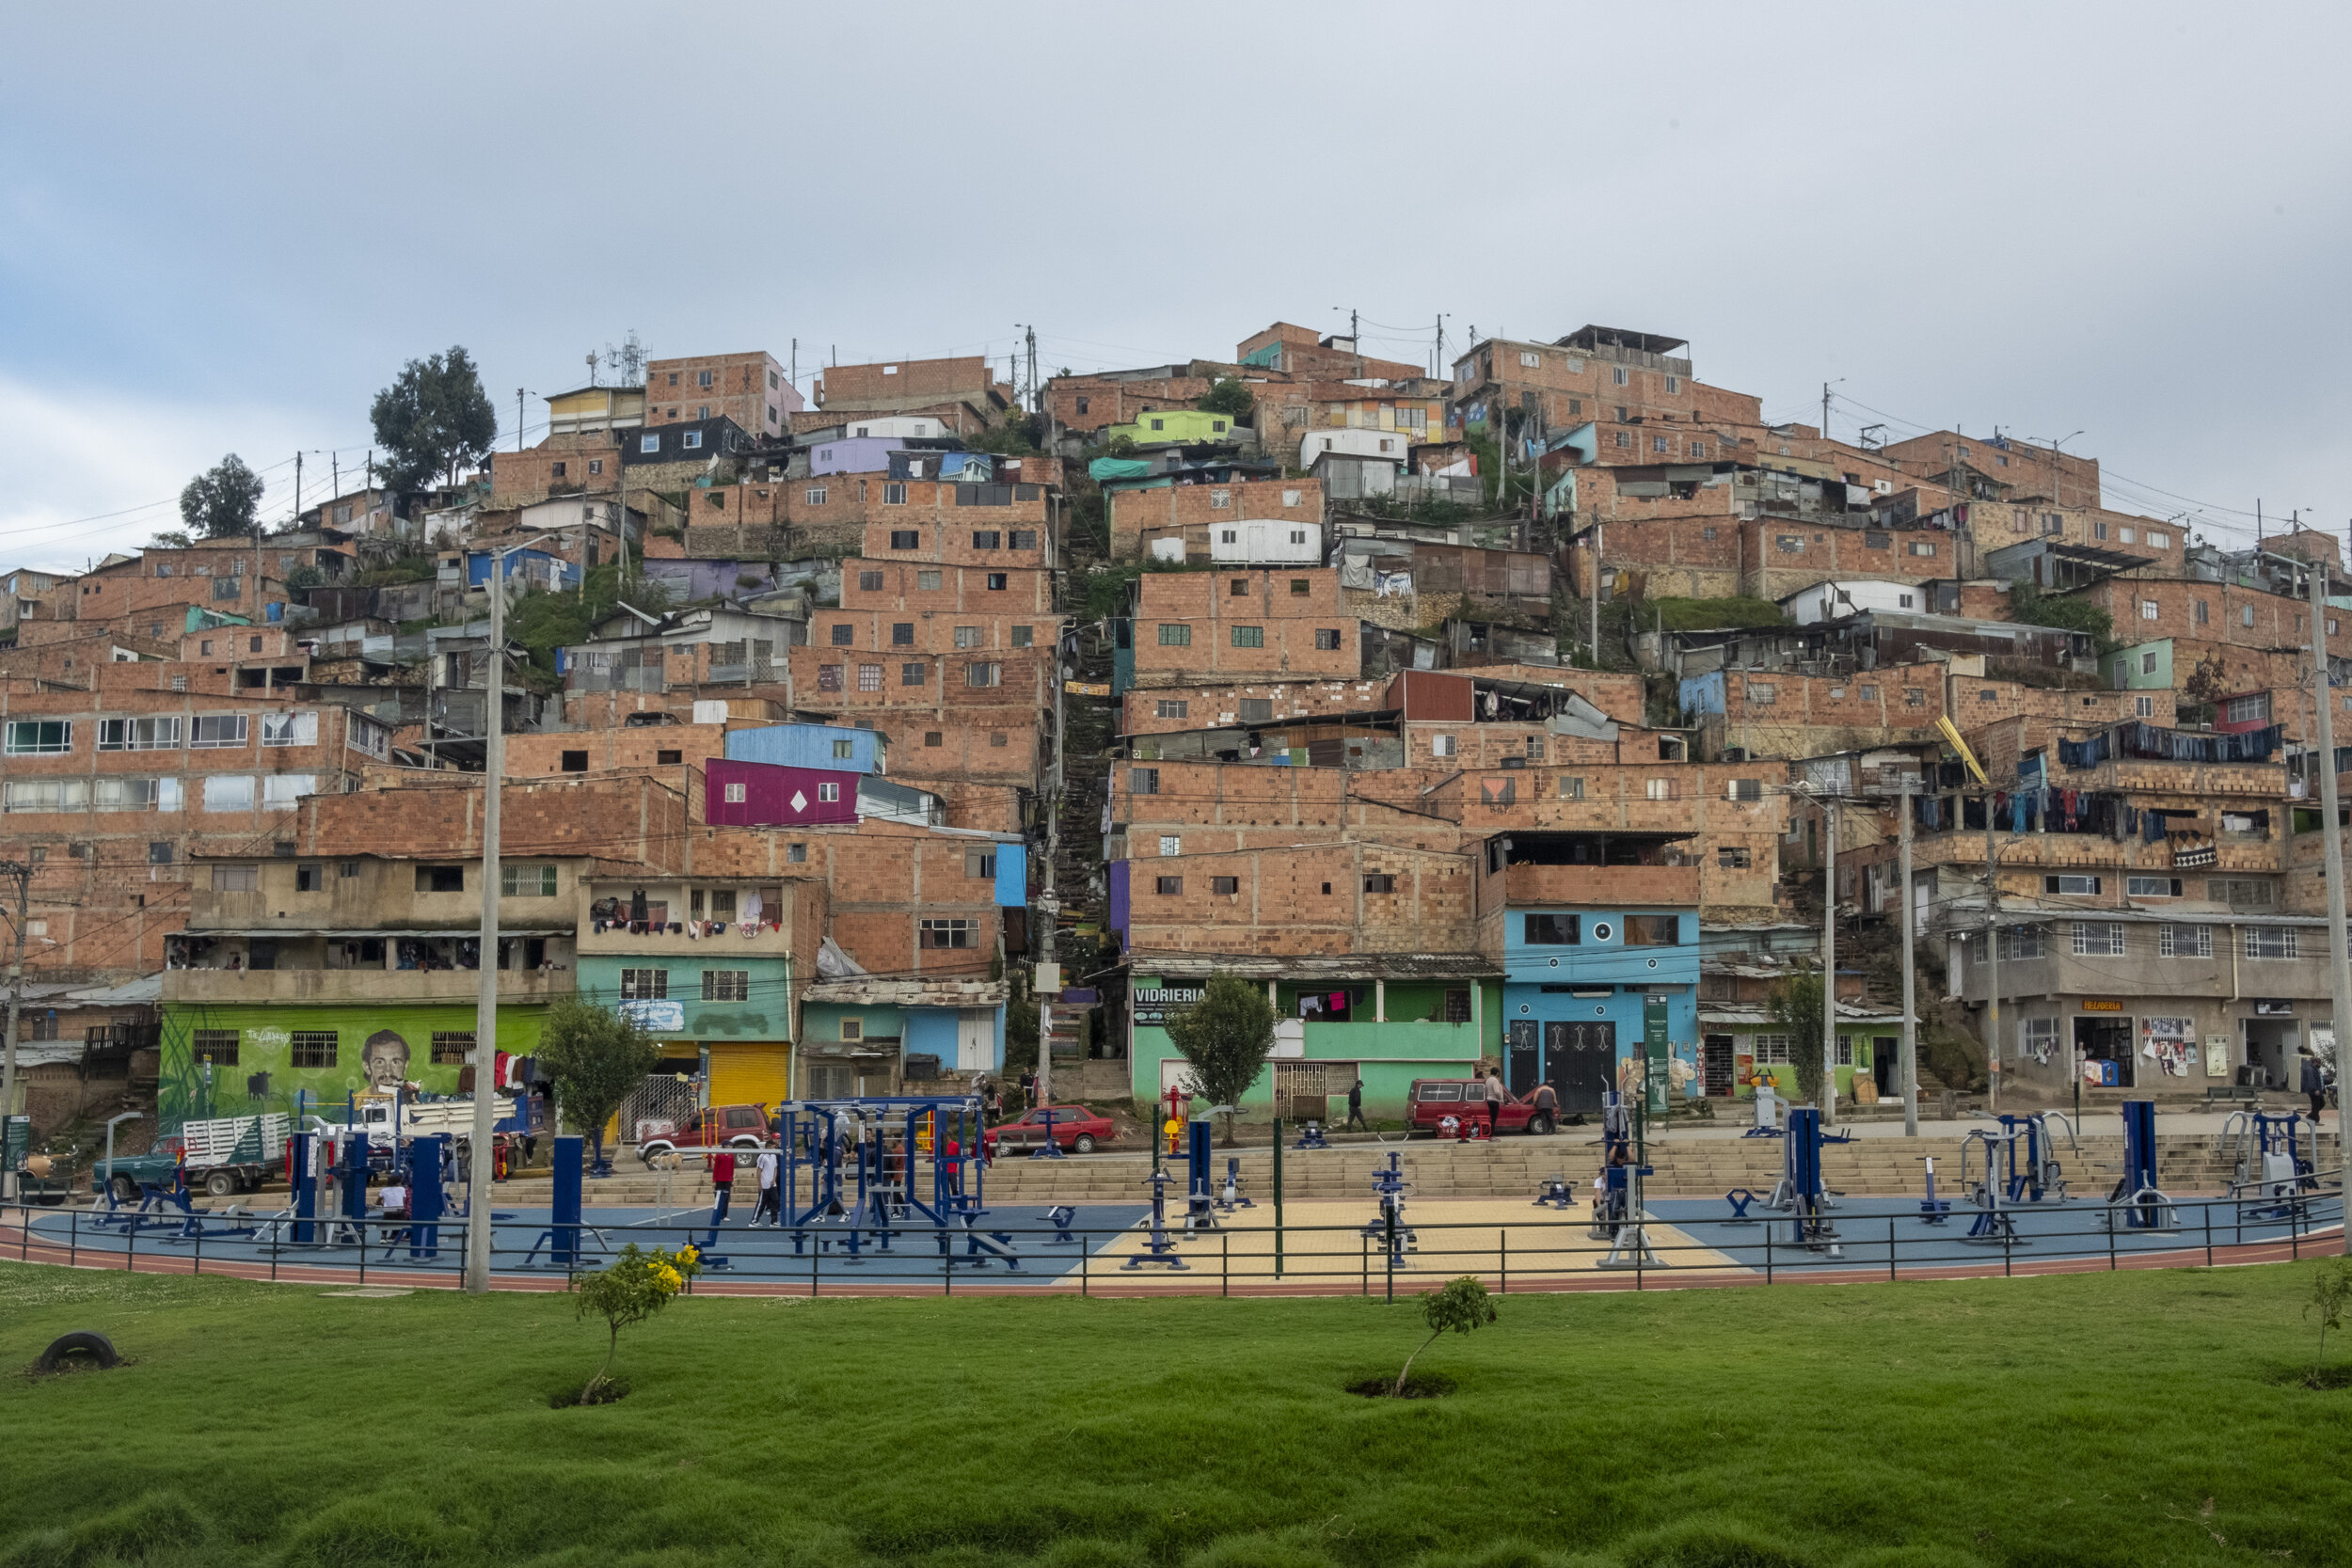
2132,1418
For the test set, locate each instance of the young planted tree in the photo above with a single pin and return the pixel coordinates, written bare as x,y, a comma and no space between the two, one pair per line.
2331,1296
1797,1009
1461,1306
434,420
597,1057
1227,1036
634,1288
221,502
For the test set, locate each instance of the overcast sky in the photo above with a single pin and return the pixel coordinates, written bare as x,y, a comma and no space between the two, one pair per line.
226,225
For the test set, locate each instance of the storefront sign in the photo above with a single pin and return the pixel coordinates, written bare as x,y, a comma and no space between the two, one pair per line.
1152,1002
656,1014
2103,1007
1655,1050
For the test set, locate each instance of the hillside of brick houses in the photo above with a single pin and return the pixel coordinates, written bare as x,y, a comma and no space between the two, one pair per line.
922,724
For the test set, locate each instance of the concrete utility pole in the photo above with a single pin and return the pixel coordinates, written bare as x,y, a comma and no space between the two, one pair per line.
1992,957
486,1003
2332,848
1593,573
519,419
1829,962
24,875
1049,904
1911,1010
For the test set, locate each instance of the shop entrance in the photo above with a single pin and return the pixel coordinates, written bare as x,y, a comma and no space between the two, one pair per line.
1581,1065
2270,1047
1716,1066
1522,1069
2107,1041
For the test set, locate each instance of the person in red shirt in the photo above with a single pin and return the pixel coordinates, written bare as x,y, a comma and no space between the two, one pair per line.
721,1182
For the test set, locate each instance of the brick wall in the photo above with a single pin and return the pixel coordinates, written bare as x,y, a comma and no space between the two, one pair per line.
913,633
1183,507
908,585
1193,707
1298,900
1188,623
749,388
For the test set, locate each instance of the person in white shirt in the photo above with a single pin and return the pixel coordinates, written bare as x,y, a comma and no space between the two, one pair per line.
771,1196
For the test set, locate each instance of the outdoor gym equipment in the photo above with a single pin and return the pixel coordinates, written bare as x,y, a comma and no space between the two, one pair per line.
721,1200
561,1239
1617,1211
1200,1187
1557,1191
1230,1197
1801,1189
1159,1248
1047,1148
1061,1216
1388,1188
428,1198
2278,1162
1934,1209
1767,1113
2138,1203
1993,1226
1311,1136
861,1179
2036,1176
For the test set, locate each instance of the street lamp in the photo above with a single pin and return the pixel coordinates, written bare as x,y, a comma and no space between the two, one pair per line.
479,1164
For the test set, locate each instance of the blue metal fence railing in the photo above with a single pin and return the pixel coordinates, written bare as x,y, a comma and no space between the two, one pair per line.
1690,1243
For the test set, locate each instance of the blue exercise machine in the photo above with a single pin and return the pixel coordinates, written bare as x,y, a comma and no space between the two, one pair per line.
1557,1191
1061,1216
1311,1136
1617,1211
1934,1209
1047,1148
862,1176
1388,1188
2138,1203
2278,1163
1199,1185
1802,1193
562,1240
1159,1247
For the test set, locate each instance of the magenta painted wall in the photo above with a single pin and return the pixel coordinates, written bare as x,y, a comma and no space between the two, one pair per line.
764,794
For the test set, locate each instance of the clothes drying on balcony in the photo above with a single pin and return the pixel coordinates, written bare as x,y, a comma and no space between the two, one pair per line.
2146,740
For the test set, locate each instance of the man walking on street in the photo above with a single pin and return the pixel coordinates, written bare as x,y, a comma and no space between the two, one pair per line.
1356,1107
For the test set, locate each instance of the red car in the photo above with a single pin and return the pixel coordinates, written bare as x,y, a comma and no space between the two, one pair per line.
739,1128
1076,1130
1436,1098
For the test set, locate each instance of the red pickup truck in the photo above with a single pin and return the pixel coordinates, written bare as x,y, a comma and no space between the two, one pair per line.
1436,1098
739,1127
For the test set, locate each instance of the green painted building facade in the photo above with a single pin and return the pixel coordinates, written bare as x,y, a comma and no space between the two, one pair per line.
1391,1033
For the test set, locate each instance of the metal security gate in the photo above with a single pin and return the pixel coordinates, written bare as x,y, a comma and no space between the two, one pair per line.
1581,1064
661,1105
1303,1089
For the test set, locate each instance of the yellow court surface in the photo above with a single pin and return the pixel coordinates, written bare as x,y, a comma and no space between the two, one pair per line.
1323,1239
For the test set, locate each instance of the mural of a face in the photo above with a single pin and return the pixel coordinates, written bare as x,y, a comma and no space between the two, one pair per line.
384,1060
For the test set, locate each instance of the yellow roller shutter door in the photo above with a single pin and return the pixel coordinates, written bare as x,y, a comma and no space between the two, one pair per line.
750,1072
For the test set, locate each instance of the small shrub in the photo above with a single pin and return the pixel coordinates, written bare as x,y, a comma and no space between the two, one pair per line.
1460,1306
634,1288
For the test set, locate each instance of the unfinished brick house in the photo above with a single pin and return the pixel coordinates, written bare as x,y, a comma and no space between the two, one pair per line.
1190,511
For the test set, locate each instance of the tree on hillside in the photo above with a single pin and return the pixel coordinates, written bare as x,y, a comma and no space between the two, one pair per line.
222,502
597,1057
1228,396
433,421
1797,1010
1227,1036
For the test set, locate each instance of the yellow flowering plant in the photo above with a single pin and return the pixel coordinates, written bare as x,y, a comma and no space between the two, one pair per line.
634,1287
